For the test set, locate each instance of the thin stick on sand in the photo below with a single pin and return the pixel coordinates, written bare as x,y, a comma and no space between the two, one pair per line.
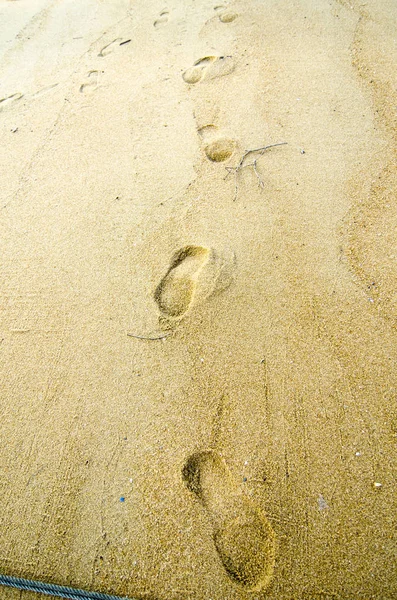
161,336
253,164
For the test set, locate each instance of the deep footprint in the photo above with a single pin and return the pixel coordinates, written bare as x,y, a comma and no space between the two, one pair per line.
175,292
243,536
220,149
209,67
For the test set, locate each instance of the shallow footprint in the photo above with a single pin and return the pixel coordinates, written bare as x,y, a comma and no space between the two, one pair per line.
92,84
225,15
209,67
175,292
162,20
109,47
228,16
244,538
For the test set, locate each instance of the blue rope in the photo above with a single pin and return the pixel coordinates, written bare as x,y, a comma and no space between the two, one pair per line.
50,589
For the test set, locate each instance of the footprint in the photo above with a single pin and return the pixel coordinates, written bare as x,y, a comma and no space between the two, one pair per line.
209,67
92,84
243,537
175,292
109,47
162,20
194,274
228,16
217,149
207,131
220,149
225,16
9,100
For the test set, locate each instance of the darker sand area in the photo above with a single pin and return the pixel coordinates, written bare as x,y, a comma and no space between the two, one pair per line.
198,344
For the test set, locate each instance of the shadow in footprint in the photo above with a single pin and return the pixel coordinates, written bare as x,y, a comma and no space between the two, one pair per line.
209,67
220,149
175,292
243,537
216,148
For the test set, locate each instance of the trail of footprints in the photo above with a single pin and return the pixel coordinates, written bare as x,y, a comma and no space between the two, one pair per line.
89,85
243,536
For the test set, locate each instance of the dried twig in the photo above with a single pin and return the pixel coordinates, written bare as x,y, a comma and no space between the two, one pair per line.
253,164
161,336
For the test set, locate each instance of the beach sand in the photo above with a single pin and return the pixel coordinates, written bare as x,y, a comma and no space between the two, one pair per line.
244,443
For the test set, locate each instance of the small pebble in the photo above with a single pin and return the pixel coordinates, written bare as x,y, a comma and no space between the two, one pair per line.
377,485
358,453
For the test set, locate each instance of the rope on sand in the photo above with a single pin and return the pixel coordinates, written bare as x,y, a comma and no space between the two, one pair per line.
50,589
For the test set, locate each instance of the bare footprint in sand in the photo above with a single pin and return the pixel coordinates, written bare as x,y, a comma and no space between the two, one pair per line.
92,82
109,47
244,538
162,19
225,15
217,148
194,273
175,292
209,67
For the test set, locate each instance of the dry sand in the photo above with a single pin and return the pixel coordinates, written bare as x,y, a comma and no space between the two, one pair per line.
250,451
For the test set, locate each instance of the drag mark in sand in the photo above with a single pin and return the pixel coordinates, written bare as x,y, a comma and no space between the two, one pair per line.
175,292
209,67
45,90
243,537
9,100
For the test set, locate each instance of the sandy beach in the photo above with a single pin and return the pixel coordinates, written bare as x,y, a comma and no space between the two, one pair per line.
198,298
